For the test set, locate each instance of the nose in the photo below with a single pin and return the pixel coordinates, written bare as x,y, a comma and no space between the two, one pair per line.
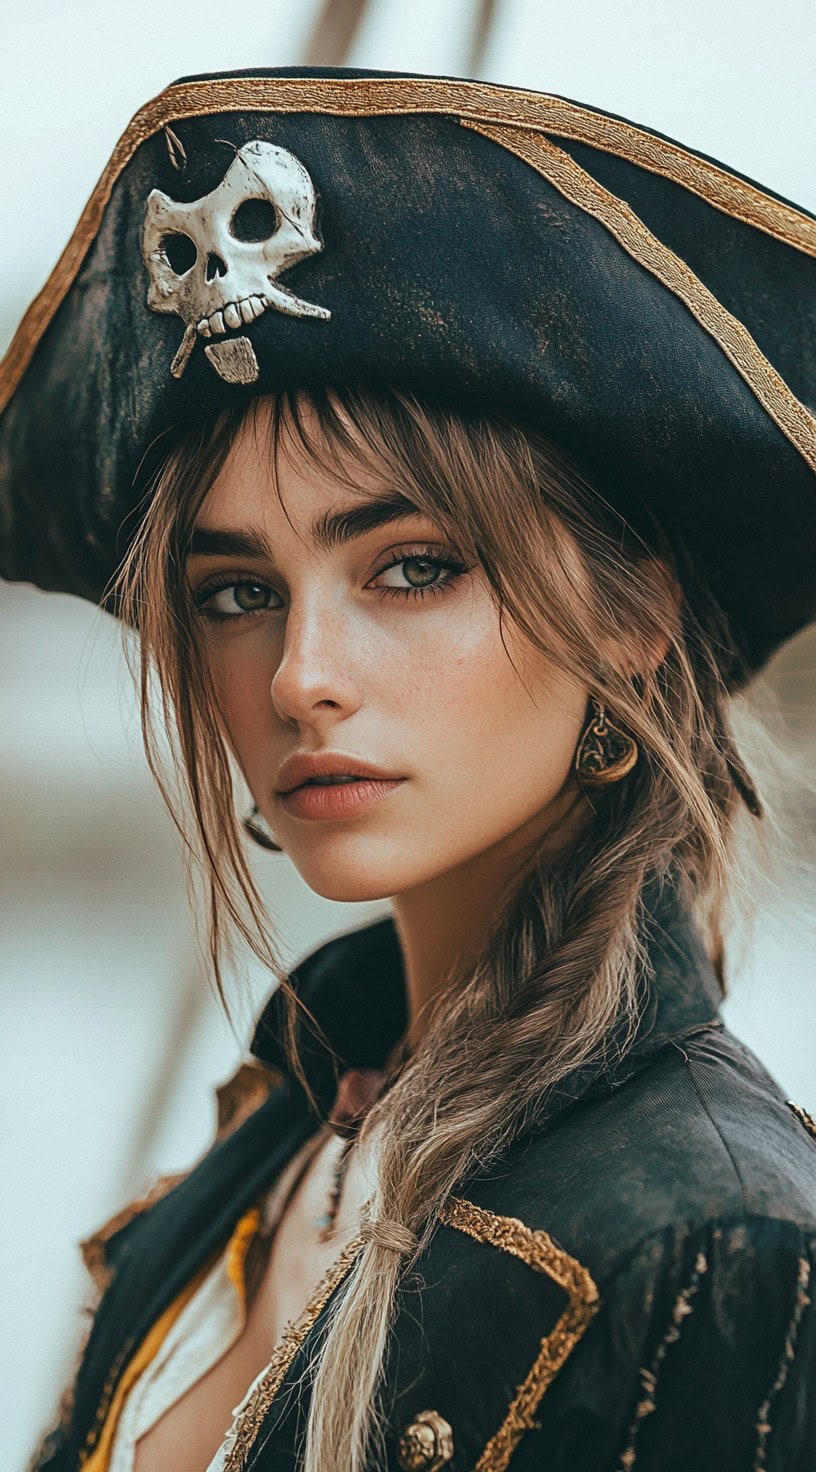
314,677
214,266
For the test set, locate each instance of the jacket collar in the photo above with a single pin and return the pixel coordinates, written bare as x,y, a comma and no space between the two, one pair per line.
354,987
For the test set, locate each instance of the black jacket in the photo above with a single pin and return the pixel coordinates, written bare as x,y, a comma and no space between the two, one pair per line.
630,1286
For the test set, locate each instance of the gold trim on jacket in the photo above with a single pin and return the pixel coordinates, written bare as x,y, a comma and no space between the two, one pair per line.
506,1233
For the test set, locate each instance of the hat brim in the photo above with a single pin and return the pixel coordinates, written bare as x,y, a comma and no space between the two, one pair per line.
650,309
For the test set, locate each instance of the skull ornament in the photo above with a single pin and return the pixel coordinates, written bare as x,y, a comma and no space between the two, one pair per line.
215,262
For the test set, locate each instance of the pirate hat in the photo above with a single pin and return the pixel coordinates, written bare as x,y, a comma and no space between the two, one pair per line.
649,309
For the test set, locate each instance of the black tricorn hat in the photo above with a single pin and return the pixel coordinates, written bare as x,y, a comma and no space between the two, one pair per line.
649,309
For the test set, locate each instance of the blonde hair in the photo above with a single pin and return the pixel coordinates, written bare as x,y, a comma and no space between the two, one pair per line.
566,953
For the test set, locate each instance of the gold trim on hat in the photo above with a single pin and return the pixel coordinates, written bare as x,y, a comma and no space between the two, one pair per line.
378,96
537,1249
803,1116
581,189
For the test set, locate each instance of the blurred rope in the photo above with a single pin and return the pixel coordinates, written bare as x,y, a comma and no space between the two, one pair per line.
334,32
339,21
483,22
177,1042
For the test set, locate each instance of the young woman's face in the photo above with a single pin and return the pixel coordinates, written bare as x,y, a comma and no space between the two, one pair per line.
330,645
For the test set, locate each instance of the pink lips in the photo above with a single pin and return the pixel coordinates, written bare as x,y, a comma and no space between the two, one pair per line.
302,766
340,800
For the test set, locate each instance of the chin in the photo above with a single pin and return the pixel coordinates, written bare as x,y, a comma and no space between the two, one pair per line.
351,893
337,872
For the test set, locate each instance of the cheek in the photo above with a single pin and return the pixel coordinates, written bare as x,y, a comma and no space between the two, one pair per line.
241,685
484,726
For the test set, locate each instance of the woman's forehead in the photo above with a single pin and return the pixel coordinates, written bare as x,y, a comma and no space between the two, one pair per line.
242,512
299,464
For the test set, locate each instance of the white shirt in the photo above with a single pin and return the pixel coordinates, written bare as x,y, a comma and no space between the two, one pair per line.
208,1325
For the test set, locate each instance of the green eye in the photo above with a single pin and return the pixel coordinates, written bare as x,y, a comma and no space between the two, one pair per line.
250,596
422,568
427,572
232,600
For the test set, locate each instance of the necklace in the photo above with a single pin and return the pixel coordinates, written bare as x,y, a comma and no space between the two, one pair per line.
326,1221
357,1091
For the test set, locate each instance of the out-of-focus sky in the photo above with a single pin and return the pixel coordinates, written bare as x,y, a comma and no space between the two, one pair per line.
111,1041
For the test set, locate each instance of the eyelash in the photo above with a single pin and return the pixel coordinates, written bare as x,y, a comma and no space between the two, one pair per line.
448,562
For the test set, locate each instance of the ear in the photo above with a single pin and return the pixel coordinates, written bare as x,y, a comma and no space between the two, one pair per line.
644,647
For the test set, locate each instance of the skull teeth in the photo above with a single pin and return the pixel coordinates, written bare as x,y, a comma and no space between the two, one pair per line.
234,314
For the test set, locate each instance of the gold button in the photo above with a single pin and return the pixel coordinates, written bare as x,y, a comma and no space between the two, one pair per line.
427,1444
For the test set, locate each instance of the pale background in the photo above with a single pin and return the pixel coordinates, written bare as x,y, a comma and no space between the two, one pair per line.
111,1042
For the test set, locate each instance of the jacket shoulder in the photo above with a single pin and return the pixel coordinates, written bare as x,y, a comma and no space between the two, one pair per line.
701,1133
660,1239
670,1226
702,1354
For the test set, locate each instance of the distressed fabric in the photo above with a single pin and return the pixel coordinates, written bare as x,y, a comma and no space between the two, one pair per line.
704,1357
629,1286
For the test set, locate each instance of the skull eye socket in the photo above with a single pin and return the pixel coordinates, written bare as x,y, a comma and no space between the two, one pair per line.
180,253
254,220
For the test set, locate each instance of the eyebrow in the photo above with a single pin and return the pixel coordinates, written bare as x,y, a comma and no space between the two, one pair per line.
329,530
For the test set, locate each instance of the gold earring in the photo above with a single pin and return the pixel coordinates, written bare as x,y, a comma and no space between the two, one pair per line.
605,753
252,827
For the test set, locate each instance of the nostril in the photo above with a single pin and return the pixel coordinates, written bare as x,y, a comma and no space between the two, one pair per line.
215,266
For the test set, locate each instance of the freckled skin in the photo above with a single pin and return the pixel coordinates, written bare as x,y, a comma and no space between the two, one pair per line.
424,688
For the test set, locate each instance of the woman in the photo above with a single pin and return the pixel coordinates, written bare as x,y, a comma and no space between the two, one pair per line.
472,516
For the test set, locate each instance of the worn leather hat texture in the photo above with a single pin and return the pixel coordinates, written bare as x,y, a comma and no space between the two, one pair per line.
651,310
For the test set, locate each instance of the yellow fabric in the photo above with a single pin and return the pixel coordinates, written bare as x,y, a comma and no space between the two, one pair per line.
237,1248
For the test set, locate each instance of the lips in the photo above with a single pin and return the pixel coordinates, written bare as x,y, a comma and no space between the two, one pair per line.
234,314
302,767
337,800
330,781
339,781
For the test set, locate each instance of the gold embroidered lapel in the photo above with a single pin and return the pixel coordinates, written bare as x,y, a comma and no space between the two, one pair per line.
244,1092
539,1251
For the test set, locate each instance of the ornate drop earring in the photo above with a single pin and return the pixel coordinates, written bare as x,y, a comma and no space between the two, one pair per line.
253,829
605,753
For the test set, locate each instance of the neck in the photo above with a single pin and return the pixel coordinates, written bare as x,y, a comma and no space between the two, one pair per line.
445,922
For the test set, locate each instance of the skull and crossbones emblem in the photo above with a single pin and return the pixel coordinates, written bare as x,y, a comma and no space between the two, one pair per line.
216,261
